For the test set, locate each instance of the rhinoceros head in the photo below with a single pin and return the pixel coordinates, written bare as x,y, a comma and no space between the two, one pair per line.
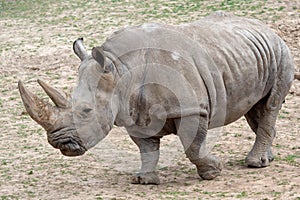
75,125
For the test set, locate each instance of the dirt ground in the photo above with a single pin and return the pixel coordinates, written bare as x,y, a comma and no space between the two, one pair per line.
36,42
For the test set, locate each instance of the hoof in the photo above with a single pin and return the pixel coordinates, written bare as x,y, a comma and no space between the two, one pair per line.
209,175
262,161
259,160
145,178
270,155
209,167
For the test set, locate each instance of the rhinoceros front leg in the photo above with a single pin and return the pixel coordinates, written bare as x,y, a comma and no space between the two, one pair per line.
149,150
193,140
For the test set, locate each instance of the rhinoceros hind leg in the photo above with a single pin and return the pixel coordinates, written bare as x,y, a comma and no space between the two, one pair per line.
262,119
262,116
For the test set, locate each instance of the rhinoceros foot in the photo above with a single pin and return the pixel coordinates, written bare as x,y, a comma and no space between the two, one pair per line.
209,167
146,178
259,159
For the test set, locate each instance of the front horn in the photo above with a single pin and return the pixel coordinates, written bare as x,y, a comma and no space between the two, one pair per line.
43,113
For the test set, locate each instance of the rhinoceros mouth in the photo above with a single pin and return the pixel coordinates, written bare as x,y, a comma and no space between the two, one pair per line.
69,150
67,142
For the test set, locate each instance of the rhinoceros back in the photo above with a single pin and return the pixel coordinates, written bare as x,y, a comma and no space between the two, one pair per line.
249,58
236,58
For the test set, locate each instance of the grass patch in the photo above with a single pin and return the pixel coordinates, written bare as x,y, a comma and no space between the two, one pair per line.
8,197
176,193
290,159
23,9
242,195
60,12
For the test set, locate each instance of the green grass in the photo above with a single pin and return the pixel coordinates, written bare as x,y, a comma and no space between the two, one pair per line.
44,11
242,195
176,193
23,9
290,159
112,14
8,197
276,194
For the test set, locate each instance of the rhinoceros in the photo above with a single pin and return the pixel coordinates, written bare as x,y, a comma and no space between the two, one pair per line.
157,79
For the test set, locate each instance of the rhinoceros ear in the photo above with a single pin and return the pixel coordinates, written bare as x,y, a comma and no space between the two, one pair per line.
79,49
98,55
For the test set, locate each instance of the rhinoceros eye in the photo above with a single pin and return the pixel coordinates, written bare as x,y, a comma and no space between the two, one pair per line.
85,113
87,110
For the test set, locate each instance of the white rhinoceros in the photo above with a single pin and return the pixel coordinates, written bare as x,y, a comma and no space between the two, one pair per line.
158,79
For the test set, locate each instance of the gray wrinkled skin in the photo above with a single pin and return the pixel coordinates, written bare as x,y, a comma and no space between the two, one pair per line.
158,79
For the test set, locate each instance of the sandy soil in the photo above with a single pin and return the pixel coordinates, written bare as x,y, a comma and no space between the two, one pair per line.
31,169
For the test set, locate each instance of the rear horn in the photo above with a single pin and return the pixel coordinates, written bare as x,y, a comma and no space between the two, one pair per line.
43,113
